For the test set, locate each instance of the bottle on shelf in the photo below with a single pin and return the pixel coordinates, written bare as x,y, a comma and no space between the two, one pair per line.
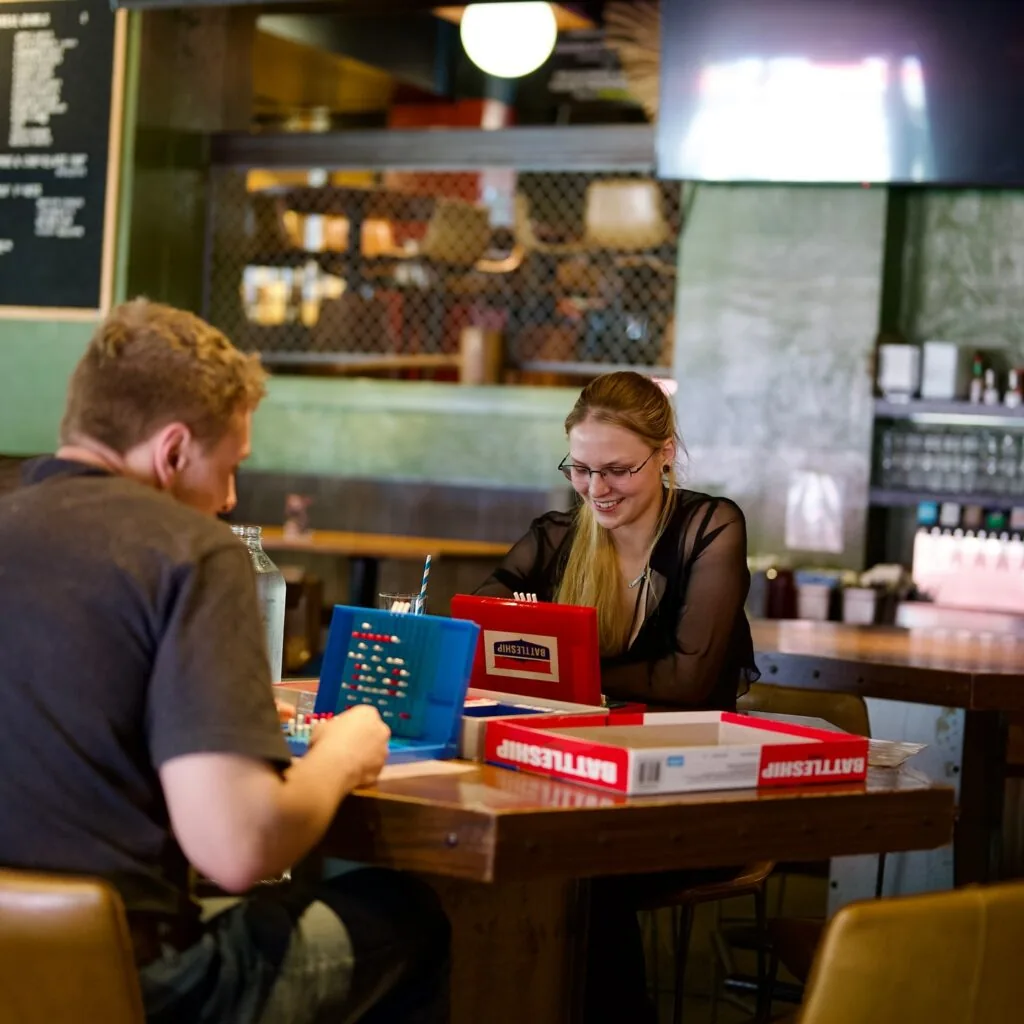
1009,460
973,517
977,385
989,462
915,461
990,393
270,591
888,475
970,461
949,515
1012,398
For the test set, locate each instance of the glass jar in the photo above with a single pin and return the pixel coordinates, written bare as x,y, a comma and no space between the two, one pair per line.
270,589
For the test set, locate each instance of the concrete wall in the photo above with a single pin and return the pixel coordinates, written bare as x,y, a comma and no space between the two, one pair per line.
777,309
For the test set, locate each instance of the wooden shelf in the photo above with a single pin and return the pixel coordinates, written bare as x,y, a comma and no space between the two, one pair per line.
329,259
620,147
966,413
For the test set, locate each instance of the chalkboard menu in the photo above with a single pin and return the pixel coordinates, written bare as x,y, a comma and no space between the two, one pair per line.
57,61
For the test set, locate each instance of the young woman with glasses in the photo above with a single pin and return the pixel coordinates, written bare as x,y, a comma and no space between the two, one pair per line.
666,569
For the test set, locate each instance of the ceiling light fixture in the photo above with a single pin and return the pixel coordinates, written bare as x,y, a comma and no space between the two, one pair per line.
508,40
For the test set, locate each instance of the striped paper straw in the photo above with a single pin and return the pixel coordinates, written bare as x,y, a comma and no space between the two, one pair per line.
423,585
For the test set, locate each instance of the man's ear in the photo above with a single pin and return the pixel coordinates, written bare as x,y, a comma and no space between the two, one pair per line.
171,450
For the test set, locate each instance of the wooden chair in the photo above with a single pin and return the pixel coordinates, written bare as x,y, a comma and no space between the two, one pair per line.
623,215
458,235
624,226
749,881
65,952
354,323
790,941
843,710
942,958
626,215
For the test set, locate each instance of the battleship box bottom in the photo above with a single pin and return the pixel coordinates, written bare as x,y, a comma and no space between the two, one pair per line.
678,752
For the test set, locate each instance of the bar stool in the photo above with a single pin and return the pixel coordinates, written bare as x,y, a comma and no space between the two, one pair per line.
750,881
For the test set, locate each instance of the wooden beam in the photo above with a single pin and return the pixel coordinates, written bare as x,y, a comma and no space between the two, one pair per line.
579,148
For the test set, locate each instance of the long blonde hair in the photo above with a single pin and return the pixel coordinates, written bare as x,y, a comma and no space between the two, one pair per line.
592,576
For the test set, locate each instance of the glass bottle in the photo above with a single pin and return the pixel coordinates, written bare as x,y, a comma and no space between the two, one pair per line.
1009,456
270,589
989,462
915,460
977,386
970,465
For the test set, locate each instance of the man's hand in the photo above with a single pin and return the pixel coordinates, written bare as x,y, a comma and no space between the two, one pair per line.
239,821
362,736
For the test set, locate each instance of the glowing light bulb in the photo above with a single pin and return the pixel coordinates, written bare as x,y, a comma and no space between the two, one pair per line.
508,40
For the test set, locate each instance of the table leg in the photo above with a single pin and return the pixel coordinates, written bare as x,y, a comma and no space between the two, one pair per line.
362,582
980,819
517,950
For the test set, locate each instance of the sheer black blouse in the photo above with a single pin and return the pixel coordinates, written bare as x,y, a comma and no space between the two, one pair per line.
693,648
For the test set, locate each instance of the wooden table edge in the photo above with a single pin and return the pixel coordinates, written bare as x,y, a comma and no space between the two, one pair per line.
494,845
354,544
913,685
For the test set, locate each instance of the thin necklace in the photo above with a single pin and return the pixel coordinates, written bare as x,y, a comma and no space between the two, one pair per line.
646,570
647,567
636,582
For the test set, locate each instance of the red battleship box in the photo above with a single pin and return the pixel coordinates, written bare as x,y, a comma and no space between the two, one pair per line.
676,752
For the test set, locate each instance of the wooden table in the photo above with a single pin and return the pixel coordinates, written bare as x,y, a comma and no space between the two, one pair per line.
366,550
508,852
972,680
923,666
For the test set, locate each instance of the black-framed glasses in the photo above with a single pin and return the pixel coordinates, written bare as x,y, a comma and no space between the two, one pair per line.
572,471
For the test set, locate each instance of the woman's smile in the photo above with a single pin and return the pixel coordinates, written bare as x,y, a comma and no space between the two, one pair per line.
606,505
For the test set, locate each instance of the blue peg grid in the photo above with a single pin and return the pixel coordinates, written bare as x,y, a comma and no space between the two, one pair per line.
414,669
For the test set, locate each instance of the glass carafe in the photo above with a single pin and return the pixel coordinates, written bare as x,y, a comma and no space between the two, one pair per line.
270,588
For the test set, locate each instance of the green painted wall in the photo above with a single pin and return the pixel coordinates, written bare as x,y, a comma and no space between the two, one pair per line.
412,431
36,358
395,430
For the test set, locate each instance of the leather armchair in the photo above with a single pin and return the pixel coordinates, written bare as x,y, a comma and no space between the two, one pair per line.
65,952
943,958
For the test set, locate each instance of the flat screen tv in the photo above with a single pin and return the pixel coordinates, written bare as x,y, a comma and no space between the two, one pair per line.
871,91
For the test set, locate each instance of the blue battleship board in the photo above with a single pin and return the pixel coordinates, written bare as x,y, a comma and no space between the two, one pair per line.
414,669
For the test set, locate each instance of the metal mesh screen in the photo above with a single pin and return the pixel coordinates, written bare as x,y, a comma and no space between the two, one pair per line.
559,272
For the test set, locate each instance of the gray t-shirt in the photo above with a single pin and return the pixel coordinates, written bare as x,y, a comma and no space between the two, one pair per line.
129,635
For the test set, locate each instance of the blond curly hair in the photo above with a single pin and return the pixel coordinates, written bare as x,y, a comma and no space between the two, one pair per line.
148,365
